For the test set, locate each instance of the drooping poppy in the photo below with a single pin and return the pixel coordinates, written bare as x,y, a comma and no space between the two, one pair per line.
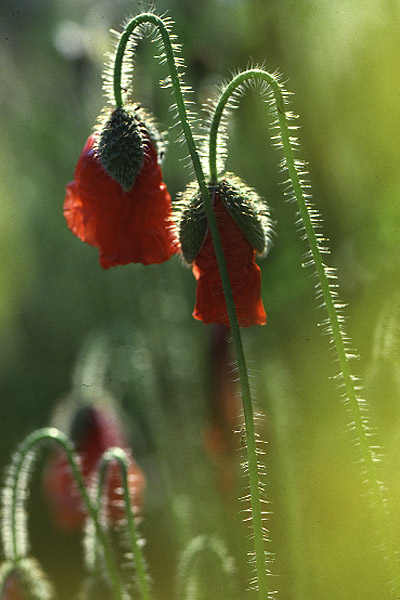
245,228
126,226
93,431
244,275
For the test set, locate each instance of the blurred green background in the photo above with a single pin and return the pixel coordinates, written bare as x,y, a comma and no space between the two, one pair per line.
341,59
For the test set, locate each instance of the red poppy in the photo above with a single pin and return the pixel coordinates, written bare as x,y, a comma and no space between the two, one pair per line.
126,227
244,275
97,430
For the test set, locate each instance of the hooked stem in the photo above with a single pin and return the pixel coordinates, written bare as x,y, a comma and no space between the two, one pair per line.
119,455
259,544
355,404
54,435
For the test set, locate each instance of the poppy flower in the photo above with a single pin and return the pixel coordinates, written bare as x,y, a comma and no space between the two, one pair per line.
93,431
244,275
131,226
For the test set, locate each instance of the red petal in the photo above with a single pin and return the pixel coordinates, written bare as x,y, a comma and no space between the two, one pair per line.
134,226
244,275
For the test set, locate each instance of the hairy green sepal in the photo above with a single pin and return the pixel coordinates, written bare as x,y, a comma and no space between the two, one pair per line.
192,228
120,147
243,205
239,205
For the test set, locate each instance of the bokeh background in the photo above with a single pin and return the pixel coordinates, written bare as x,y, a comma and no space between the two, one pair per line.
341,59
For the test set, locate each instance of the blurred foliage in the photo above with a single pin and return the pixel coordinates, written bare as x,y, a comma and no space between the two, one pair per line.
341,60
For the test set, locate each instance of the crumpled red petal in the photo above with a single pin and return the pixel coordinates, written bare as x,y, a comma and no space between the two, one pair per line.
126,227
244,275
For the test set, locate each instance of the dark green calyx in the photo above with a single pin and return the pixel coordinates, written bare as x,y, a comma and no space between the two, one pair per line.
120,147
241,203
192,227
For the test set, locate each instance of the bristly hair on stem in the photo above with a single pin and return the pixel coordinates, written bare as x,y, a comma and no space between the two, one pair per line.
119,69
309,223
132,542
186,120
16,492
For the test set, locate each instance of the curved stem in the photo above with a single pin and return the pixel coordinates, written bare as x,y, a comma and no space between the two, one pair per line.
120,456
56,436
356,405
234,325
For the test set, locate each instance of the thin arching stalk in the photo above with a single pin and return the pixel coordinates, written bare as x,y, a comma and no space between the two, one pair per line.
119,455
326,291
18,528
170,59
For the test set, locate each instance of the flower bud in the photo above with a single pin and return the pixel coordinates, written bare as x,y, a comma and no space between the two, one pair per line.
244,206
241,203
245,229
121,147
193,224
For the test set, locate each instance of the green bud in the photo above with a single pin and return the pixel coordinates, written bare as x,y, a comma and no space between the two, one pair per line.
120,147
241,203
192,228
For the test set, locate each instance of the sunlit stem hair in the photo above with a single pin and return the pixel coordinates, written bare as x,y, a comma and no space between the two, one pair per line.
14,525
168,56
326,286
119,456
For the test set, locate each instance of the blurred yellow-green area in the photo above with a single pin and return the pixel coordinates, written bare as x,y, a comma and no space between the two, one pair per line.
341,60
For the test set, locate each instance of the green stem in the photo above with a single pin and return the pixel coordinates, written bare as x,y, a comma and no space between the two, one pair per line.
355,404
120,456
53,435
259,543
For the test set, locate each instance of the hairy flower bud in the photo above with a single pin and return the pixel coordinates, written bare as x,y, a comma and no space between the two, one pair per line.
245,228
121,148
243,204
239,201
193,224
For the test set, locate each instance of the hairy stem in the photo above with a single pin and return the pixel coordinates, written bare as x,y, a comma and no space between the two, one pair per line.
356,405
57,437
120,456
259,543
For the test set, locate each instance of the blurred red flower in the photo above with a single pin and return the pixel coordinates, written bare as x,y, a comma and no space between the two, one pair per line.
244,275
94,431
126,227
